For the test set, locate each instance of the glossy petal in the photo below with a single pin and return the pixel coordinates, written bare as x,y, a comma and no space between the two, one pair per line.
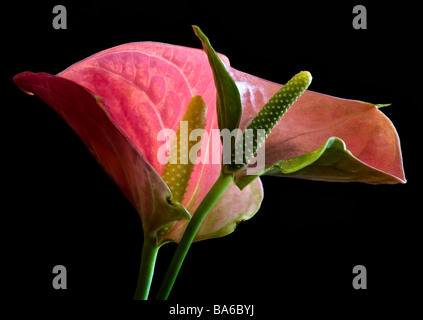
148,87
368,134
88,116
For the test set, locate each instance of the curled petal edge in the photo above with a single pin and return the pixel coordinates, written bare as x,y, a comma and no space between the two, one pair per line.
331,162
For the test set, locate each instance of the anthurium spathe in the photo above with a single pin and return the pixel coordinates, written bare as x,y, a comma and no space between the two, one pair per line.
117,102
139,89
87,114
307,142
323,137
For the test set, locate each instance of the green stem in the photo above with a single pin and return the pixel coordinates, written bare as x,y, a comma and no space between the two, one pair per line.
148,261
209,200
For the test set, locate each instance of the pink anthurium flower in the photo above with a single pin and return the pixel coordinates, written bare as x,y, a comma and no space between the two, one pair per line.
118,101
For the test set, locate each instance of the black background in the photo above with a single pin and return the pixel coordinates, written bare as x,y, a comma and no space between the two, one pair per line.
61,208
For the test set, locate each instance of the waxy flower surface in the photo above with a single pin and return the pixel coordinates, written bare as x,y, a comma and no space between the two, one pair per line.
119,99
122,101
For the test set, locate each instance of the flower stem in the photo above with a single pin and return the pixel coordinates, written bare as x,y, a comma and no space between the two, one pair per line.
209,200
148,261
